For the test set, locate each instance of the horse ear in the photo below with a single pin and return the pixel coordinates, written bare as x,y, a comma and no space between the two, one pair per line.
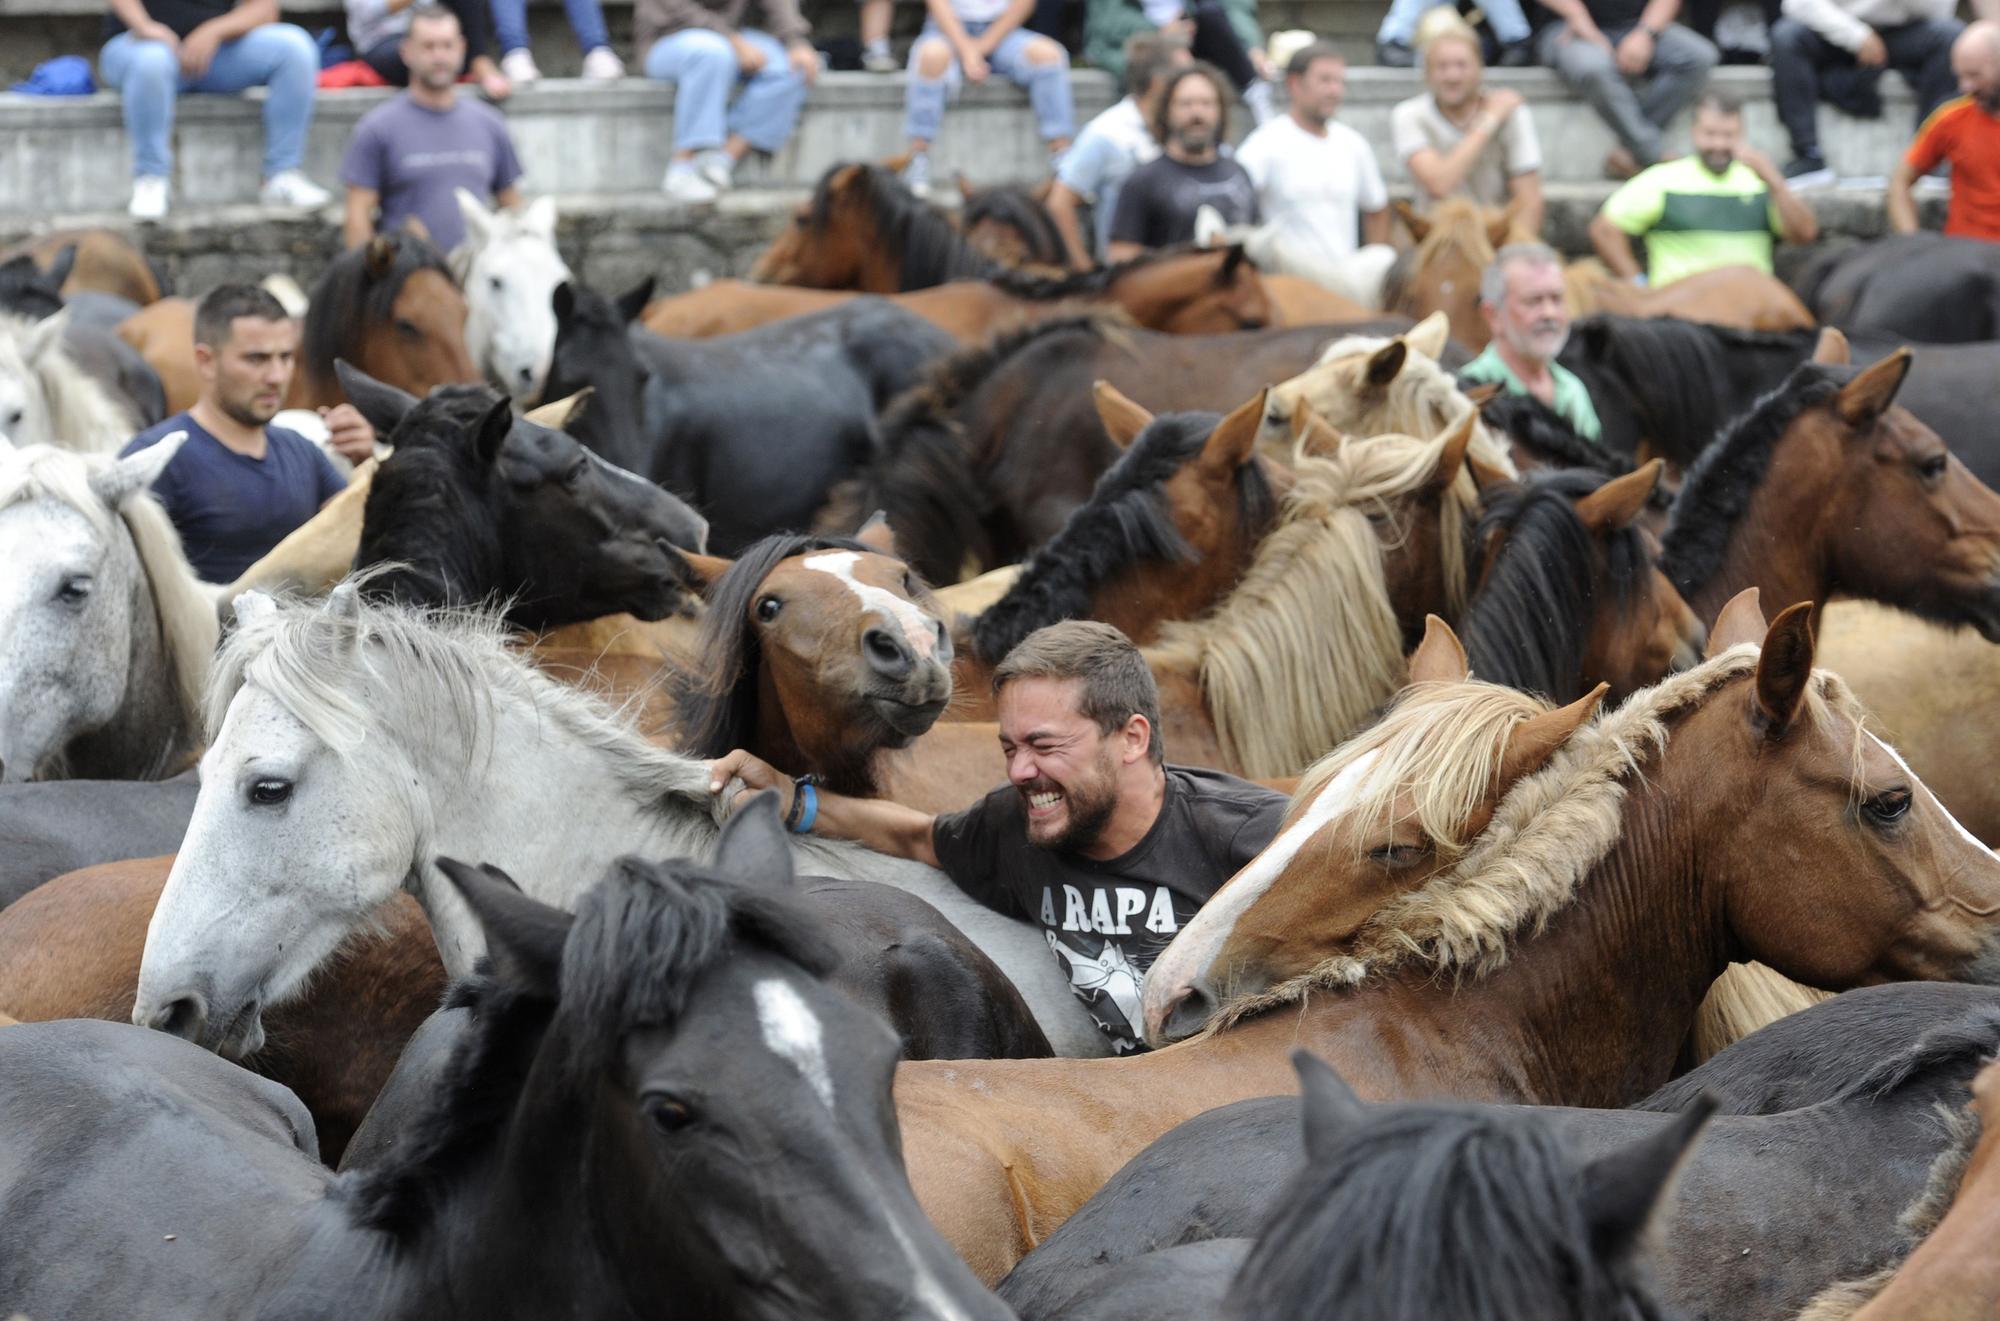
1385,363
708,568
1234,441
491,437
524,938
1500,227
116,481
384,405
753,850
1784,668
1123,420
1451,459
1832,347
1741,621
1482,394
45,336
1419,227
1328,1108
253,605
562,412
1615,504
1535,740
380,258
1869,394
540,217
58,273
1233,258
878,536
344,602
633,301
1485,474
478,220
1440,657
1623,1189
1430,335
1209,226
563,299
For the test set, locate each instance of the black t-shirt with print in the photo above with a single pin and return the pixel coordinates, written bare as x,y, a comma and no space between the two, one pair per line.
1107,921
1157,205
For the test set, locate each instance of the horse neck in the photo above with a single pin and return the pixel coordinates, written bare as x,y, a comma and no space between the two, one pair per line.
1782,543
149,737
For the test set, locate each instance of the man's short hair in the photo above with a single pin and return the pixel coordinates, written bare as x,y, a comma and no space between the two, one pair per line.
428,11
1493,281
1117,685
1720,101
1148,55
1199,69
1306,56
221,305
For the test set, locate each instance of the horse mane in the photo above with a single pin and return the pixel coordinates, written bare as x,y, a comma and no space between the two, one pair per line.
347,299
1093,283
1307,646
1473,1213
1719,488
1543,840
1015,207
640,940
423,527
1126,520
1529,623
185,607
715,708
930,249
83,417
1530,423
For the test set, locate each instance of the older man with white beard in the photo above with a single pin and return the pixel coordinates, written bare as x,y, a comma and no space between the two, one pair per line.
1521,296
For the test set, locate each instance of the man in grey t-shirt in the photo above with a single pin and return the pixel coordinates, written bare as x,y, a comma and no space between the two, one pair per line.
1462,139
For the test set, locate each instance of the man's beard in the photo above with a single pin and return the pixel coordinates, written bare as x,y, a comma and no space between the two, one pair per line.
1540,344
1195,139
1087,806
1718,162
437,80
248,413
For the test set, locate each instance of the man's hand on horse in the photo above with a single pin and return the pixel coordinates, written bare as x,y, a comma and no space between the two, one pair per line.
737,773
348,432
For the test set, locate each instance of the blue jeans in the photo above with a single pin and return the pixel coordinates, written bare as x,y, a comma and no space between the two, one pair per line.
147,75
1400,23
704,72
1047,84
586,19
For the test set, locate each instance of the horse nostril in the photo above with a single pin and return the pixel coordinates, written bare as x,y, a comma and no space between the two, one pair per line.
181,1017
1187,1014
888,655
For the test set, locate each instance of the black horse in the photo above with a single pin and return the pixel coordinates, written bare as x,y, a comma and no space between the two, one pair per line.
1925,287
754,429
1830,1130
584,1154
477,505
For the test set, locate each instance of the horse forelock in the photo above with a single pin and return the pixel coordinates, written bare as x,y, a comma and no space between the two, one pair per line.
1016,208
347,300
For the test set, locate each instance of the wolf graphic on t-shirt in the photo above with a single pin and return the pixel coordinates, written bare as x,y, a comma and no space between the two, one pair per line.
1109,986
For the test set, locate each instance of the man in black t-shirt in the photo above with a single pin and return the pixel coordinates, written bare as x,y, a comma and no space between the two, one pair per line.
1157,205
1094,837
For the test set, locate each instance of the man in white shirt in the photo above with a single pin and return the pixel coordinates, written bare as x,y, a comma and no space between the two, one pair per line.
1316,179
1837,49
1462,139
1113,145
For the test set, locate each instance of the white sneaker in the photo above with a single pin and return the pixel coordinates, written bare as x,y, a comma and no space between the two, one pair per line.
603,66
292,188
519,66
149,197
717,166
916,174
685,184
879,59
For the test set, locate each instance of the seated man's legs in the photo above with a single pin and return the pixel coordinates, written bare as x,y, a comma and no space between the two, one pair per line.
283,59
1682,61
147,76
875,53
1592,72
1395,39
703,69
1797,55
767,109
934,74
1921,52
1041,65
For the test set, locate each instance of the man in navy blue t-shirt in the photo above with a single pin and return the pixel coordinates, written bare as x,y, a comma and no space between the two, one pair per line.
238,487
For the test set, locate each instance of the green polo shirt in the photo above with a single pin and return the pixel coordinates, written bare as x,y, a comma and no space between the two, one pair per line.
1693,221
1572,401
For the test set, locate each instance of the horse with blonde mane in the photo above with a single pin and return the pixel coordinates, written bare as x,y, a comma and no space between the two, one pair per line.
47,399
105,632
1487,898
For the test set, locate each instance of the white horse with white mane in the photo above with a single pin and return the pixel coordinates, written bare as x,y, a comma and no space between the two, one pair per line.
46,399
354,743
509,269
105,632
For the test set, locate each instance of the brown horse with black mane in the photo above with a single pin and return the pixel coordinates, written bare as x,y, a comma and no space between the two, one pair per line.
1487,898
862,229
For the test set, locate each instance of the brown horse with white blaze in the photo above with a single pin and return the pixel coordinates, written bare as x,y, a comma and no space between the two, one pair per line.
1486,898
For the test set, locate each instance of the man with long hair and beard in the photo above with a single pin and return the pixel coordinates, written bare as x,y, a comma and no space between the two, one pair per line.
1094,836
1158,204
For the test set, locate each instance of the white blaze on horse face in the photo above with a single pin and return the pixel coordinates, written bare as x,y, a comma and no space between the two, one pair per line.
919,628
792,1032
1190,959
1916,782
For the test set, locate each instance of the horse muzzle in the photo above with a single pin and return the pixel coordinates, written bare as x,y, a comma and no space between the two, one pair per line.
187,1015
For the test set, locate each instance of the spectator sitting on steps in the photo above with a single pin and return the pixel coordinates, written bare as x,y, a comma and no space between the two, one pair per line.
1222,32
378,29
586,20
1601,47
1966,133
1113,145
152,55
1461,139
965,41
1837,49
735,88
1158,204
1400,37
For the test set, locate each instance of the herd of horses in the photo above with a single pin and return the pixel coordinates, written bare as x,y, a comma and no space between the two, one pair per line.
1628,949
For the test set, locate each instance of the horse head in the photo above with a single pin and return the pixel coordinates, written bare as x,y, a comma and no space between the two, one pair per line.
1455,245
1199,291
508,268
27,350
392,308
593,350
824,245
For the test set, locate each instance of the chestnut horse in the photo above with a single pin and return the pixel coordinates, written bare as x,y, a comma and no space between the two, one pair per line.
105,262
1740,296
1455,245
862,229
1486,898
1179,291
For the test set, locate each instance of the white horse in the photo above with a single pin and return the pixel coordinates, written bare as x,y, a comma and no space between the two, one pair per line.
509,269
46,399
105,632
1273,248
354,743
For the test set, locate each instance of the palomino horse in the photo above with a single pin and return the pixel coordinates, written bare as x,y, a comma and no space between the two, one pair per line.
1365,384
588,1079
1724,295
310,703
47,399
1179,291
1455,245
105,633
103,261
509,268
1486,898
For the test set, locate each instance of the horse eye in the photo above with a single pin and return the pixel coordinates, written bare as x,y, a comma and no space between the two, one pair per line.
1933,468
667,1114
408,329
269,793
496,283
74,591
768,608
1396,855
1888,807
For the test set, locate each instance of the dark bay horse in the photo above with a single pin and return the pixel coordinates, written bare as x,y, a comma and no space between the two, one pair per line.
583,1155
1536,819
479,506
751,429
1926,287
